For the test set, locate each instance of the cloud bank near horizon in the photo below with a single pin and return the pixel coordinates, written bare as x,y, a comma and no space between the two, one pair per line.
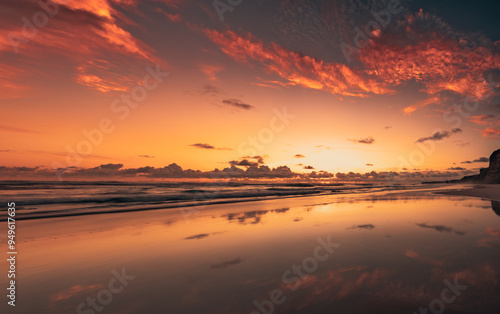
253,170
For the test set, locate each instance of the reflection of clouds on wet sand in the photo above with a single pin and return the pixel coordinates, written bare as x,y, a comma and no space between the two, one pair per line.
427,260
492,239
252,217
358,289
72,291
365,227
201,236
226,264
66,298
441,228
197,236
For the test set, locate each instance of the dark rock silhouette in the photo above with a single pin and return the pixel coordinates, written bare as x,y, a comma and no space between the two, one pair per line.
496,207
493,173
487,175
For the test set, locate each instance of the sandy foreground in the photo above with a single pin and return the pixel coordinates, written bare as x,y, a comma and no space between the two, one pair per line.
488,191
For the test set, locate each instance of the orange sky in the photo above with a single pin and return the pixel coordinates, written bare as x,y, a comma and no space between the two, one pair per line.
73,66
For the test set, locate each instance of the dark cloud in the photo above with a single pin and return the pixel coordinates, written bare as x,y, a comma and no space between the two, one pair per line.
441,228
254,169
366,227
299,156
309,167
238,104
197,236
244,163
369,165
111,166
456,168
201,236
203,146
207,146
257,158
438,136
146,156
248,161
367,140
480,159
320,175
227,264
388,127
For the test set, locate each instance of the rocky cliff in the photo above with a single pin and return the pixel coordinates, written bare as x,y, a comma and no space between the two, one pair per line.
490,174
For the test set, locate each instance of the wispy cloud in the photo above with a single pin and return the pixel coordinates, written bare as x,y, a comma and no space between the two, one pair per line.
324,147
438,136
491,133
210,71
174,18
237,104
206,90
296,68
366,140
420,104
98,55
482,119
197,236
418,49
207,146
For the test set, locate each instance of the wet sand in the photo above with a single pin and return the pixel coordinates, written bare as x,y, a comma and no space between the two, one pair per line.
486,191
393,253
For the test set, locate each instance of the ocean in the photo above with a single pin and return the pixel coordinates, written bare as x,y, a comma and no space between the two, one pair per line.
42,199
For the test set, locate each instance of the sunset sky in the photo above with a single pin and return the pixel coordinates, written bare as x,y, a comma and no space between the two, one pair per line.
365,84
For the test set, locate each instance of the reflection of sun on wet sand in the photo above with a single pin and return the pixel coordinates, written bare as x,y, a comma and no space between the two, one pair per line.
488,191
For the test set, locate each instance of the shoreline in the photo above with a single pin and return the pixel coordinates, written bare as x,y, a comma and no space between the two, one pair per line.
491,192
485,191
